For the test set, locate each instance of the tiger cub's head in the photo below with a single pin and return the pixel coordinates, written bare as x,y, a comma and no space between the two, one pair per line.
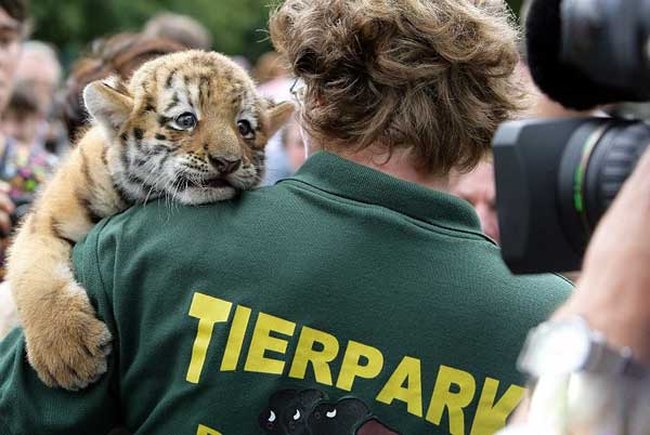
188,125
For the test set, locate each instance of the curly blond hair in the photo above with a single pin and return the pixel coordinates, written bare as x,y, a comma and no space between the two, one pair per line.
435,76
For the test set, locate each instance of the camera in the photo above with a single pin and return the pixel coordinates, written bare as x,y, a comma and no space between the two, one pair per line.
556,178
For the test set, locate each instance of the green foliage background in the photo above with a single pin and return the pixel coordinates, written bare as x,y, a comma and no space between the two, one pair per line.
236,24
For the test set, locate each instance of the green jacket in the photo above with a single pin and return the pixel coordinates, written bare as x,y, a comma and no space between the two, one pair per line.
340,301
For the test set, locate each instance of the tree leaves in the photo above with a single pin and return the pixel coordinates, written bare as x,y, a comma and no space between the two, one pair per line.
237,25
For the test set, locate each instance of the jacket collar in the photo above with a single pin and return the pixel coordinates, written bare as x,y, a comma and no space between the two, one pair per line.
341,177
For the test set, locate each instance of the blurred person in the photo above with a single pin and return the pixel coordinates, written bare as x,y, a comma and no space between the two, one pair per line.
7,207
39,69
25,163
56,136
243,62
356,296
8,312
273,78
13,28
182,29
116,55
294,145
22,117
269,67
478,188
274,83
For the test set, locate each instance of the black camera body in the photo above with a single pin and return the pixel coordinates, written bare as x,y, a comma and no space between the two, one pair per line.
556,178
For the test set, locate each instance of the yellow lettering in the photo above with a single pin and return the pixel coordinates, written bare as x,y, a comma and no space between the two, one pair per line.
407,372
491,417
263,341
443,397
208,310
204,430
352,368
235,339
319,359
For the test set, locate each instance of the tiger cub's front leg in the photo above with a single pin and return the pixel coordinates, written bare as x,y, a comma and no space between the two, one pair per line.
66,344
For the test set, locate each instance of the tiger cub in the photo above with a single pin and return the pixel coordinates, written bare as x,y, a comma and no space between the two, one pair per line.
188,126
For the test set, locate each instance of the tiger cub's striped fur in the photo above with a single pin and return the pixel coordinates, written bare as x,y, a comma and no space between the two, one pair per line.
189,126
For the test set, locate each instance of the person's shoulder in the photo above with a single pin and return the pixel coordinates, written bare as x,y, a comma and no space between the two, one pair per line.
542,293
164,216
158,228
520,293
551,282
486,255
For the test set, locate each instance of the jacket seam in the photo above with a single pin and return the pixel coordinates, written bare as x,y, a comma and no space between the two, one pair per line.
565,279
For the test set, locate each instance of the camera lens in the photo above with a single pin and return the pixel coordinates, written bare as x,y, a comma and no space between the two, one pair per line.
555,179
599,157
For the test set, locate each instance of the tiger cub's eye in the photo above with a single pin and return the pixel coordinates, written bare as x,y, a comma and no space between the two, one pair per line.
245,129
186,121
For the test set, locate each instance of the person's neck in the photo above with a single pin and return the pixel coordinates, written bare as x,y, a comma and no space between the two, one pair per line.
398,165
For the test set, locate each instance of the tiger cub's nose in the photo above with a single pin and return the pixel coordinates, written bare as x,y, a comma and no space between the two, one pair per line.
225,166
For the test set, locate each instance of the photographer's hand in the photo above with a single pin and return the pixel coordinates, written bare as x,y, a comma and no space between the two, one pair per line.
613,292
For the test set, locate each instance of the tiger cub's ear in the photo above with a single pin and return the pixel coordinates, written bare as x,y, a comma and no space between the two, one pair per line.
108,102
278,115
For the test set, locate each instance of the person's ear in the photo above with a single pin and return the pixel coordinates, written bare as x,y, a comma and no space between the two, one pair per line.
278,115
109,103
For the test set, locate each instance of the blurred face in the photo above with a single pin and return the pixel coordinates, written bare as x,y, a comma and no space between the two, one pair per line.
477,187
22,128
10,45
41,73
294,146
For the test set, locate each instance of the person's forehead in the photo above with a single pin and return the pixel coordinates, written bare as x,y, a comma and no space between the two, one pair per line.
478,182
7,22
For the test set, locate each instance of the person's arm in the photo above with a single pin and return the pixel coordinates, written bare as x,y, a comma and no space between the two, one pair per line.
27,406
613,292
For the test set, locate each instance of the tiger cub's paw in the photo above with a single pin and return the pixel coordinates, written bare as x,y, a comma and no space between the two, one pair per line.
71,351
